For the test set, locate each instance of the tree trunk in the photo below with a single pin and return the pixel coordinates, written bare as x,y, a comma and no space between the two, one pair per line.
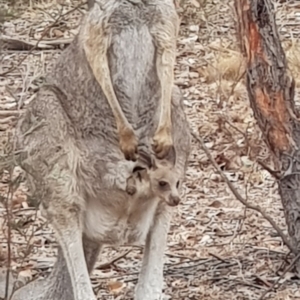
271,93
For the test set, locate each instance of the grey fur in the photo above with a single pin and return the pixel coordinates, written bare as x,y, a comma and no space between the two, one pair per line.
71,151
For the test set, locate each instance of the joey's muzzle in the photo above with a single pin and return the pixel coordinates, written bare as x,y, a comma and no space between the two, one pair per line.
173,200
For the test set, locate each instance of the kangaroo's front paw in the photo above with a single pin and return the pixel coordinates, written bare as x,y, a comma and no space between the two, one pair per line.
131,186
162,142
130,190
128,143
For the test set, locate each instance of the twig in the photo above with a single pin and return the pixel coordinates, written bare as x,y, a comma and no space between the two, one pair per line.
7,120
281,276
284,262
236,128
8,113
19,45
52,43
275,174
243,282
39,40
217,257
31,50
14,44
239,197
265,282
109,263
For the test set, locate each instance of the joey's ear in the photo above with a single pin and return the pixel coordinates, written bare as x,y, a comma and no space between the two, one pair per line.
138,169
171,156
147,159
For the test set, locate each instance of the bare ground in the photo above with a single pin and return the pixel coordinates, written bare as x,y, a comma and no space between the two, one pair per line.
217,249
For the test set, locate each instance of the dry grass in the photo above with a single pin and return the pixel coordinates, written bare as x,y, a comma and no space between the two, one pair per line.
217,248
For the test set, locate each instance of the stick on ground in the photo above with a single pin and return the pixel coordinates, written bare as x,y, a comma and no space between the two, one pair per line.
239,196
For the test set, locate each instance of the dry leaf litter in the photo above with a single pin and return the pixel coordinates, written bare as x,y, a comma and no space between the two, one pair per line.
217,249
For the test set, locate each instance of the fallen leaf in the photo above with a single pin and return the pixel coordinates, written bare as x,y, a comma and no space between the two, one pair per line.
115,286
216,204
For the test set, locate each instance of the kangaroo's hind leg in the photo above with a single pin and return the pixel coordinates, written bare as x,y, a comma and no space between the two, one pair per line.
58,286
65,212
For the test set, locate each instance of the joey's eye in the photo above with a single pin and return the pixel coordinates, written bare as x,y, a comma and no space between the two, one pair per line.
177,184
162,183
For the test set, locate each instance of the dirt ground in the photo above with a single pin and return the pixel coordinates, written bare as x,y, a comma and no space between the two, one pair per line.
217,249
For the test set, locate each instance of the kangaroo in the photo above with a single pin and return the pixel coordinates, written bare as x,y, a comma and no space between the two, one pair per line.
68,142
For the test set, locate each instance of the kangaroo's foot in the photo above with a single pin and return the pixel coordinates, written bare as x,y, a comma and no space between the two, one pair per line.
128,143
162,142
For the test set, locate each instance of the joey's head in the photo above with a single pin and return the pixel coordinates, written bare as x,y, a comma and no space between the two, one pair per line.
164,181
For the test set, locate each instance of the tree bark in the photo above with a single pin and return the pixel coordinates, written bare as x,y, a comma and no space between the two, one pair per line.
271,93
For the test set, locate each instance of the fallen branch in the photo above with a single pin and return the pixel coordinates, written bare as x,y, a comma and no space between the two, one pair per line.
16,44
239,196
20,45
9,113
7,120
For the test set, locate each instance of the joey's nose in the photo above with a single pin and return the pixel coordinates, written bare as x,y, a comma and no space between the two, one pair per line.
173,200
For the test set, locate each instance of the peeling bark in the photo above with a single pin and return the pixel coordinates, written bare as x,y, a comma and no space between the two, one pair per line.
271,93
